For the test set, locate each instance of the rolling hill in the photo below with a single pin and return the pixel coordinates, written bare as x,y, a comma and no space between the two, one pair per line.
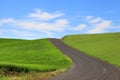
103,46
31,55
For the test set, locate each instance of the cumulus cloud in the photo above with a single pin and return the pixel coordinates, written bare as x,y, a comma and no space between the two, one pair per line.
79,27
7,20
46,23
89,17
41,15
92,19
96,20
38,21
98,24
22,33
94,25
58,25
101,27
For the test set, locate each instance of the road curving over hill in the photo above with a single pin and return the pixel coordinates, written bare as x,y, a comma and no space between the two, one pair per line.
85,67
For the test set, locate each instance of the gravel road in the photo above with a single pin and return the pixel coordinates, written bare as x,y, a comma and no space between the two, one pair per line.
85,67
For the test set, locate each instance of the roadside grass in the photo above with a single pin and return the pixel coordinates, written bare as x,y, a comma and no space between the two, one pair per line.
30,75
103,46
31,55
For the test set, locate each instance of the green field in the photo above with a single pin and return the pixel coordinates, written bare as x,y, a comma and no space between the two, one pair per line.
103,46
31,55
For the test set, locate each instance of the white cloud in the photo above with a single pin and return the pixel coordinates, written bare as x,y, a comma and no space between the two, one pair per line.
92,19
89,17
101,27
50,34
79,27
48,24
115,27
96,20
41,15
7,20
22,33
58,25
42,24
98,24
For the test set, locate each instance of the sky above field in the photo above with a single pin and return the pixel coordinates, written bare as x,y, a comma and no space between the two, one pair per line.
33,19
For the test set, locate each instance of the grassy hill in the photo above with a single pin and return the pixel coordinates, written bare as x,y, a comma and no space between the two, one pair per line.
104,46
31,55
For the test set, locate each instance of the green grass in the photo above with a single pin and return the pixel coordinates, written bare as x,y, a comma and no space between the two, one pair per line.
31,55
103,46
31,76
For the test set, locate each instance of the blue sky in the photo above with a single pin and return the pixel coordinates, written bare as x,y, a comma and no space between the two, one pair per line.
34,19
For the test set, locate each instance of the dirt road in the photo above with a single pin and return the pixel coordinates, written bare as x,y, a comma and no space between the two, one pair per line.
85,67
